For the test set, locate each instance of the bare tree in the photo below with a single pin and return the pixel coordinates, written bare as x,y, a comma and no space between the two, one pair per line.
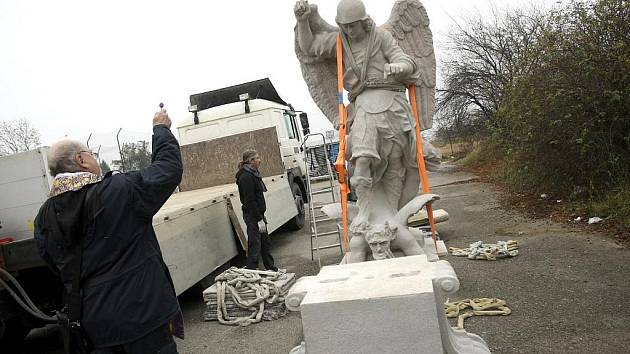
17,136
484,56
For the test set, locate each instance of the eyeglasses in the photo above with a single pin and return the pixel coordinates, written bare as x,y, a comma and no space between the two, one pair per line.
88,151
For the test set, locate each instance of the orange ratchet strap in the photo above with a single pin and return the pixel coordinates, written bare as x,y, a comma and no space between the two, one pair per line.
340,163
422,169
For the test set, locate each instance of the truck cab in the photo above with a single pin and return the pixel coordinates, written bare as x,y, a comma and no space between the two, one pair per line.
244,108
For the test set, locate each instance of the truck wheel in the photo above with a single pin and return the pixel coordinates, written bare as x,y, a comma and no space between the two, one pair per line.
12,333
209,279
298,221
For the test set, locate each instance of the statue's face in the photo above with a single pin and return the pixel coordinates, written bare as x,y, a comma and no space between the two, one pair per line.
380,248
379,239
354,30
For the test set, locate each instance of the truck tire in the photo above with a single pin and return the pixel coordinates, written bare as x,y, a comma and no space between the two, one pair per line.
209,279
12,332
297,223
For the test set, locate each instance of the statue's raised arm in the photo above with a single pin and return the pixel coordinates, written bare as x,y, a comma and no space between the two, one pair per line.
319,72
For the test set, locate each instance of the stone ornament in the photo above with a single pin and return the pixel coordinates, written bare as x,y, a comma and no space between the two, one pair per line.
386,233
379,237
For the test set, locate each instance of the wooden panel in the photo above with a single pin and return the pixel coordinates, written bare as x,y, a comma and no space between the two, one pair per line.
236,223
214,162
195,244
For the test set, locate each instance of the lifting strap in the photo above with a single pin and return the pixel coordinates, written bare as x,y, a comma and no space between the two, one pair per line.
422,169
340,163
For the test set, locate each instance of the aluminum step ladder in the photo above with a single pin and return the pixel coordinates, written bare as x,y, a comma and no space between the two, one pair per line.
321,188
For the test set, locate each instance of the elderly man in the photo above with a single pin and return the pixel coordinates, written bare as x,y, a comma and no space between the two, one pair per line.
101,228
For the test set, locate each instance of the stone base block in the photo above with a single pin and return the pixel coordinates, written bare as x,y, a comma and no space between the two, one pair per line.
386,306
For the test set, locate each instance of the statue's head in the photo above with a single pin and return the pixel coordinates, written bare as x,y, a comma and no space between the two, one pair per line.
349,11
352,18
379,238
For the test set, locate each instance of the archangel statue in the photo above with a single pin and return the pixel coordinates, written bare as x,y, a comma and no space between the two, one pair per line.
379,64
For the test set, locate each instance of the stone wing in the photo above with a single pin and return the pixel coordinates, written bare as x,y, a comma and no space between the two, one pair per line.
320,74
412,207
409,24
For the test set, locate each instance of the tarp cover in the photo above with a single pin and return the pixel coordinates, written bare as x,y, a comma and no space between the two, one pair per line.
256,89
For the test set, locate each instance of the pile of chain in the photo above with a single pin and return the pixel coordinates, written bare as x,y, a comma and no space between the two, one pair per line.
239,296
479,307
487,251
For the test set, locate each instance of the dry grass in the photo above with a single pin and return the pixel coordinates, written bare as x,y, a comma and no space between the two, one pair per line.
456,150
613,207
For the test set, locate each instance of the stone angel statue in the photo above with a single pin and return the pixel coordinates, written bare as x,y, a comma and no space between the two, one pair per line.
379,64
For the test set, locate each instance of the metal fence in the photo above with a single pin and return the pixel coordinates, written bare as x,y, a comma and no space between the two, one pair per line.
108,147
319,157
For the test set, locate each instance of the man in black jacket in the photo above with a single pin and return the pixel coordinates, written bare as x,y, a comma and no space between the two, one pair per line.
128,299
250,190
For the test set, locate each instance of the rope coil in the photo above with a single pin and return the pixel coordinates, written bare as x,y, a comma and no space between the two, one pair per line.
237,282
480,307
487,251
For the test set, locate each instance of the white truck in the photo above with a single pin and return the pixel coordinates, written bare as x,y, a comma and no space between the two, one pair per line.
200,228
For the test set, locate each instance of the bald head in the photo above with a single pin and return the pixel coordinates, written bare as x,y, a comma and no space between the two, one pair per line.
62,156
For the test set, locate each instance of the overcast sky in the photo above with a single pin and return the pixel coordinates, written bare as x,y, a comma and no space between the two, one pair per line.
79,67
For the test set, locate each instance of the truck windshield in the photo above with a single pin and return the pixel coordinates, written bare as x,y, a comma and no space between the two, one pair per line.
289,123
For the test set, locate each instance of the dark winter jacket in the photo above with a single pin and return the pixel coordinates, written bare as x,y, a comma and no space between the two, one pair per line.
127,289
250,189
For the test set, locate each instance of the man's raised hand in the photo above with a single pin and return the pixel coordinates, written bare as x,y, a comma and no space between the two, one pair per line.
161,117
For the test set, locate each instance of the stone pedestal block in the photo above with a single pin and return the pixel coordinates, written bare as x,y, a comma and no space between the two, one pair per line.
387,306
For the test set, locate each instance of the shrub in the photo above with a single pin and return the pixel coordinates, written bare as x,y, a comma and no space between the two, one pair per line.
566,124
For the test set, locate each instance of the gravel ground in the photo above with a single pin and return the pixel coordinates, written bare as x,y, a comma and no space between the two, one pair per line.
566,288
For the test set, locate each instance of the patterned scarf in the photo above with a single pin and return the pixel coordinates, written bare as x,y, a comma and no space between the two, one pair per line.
67,182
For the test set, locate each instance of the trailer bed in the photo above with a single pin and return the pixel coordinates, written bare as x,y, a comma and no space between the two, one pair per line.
198,230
